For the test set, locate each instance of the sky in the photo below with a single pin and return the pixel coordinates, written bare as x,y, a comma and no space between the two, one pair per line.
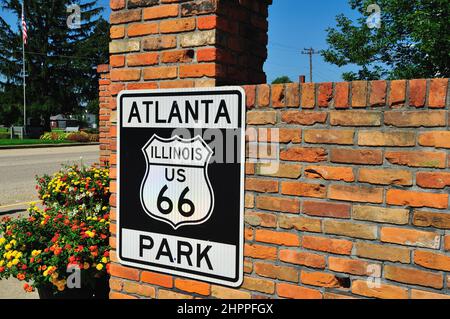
293,26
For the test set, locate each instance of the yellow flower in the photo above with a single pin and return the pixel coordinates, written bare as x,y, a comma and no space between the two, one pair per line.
2,262
8,247
86,266
104,260
99,267
15,262
34,253
9,265
2,241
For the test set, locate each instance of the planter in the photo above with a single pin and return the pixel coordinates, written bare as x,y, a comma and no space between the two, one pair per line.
99,291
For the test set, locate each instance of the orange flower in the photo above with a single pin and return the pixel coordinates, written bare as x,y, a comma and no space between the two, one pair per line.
21,276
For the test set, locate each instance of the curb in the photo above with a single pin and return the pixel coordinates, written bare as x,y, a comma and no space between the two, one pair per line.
9,147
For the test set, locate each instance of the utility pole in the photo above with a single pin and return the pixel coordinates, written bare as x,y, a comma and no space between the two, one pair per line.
310,52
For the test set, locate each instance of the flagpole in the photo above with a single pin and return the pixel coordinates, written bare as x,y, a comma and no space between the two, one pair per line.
24,77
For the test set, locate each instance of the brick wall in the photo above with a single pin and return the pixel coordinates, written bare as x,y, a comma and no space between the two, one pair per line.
360,197
359,206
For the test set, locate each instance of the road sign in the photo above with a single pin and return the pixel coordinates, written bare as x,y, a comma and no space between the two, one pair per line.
180,183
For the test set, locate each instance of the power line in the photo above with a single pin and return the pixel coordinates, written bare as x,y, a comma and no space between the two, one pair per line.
310,52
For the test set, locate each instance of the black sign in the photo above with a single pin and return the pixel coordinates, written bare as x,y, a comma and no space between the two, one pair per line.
181,158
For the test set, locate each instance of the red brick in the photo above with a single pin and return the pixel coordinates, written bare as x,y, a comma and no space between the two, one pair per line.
330,173
117,4
397,96
278,95
351,266
142,86
324,209
198,70
341,96
278,238
125,75
359,94
263,95
330,245
319,279
417,92
297,292
392,138
355,118
176,84
410,237
161,11
417,159
121,17
356,193
261,219
435,139
261,185
350,229
385,177
308,100
333,136
431,219
117,61
276,272
207,23
303,117
432,260
261,117
436,180
292,95
397,216
438,93
160,72
157,279
382,291
139,289
260,252
279,204
137,30
413,276
124,272
118,295
416,199
420,294
141,59
193,286
261,285
383,252
300,223
377,93
325,94
303,189
301,154
177,25
117,32
351,156
415,119
302,258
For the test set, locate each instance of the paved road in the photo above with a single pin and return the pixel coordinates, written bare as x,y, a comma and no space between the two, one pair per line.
18,168
17,187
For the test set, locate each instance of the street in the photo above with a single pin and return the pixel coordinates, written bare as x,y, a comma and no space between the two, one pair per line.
18,168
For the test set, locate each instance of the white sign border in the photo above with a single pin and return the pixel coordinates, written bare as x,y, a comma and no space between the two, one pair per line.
240,267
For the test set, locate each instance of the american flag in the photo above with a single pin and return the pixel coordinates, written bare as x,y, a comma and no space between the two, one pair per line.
24,28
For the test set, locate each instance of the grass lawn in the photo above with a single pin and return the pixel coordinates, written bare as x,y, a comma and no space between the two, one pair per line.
8,142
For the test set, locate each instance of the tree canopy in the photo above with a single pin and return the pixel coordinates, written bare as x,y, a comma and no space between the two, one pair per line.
60,59
412,41
282,79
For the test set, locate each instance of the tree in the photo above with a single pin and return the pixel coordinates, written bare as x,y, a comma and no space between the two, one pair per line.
282,79
413,40
60,60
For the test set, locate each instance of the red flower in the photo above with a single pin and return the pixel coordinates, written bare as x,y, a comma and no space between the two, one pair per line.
24,267
106,253
93,248
2,269
21,276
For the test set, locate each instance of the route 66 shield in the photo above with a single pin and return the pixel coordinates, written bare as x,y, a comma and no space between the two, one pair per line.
176,188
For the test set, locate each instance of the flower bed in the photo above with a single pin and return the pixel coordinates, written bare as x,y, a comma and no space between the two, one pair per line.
70,234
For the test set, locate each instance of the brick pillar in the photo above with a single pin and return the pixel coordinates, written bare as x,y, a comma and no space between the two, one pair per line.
175,44
104,113
168,44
